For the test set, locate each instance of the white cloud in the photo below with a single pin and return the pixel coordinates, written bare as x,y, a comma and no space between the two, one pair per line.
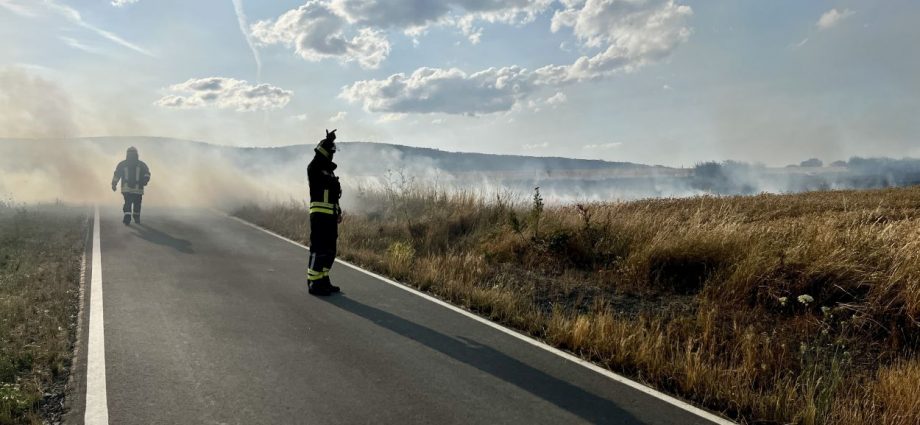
79,45
247,35
415,15
316,33
385,118
354,30
603,146
74,16
34,9
301,117
530,147
338,117
557,99
536,105
120,3
630,34
833,17
450,91
387,14
19,8
225,93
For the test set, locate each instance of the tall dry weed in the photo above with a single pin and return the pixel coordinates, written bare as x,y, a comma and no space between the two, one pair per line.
771,308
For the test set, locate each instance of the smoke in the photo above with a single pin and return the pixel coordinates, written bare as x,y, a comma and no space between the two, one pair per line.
192,174
244,28
184,174
41,160
31,106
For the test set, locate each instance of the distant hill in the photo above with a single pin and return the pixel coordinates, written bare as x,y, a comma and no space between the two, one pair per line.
362,164
373,157
461,162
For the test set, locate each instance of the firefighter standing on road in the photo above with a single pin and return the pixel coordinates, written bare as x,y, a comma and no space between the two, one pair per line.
325,216
134,175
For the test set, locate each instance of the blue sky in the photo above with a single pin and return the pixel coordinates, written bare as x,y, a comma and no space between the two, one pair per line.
660,81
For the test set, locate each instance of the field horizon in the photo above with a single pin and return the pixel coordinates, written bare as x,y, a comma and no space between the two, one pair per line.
201,174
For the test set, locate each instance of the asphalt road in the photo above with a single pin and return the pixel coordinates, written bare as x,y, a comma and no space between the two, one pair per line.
208,321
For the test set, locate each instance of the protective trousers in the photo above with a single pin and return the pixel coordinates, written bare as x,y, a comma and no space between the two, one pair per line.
324,231
132,200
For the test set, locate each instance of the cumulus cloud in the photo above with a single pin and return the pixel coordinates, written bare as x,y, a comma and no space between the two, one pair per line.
449,91
408,14
315,32
224,93
557,99
398,14
338,117
355,30
413,17
629,33
553,101
833,17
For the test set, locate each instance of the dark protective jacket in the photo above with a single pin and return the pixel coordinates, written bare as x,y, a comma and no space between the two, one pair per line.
133,174
325,190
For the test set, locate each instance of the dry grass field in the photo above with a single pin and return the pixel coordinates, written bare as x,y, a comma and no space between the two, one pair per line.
40,252
771,309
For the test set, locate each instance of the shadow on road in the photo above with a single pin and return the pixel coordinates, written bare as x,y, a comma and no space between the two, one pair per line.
576,400
151,234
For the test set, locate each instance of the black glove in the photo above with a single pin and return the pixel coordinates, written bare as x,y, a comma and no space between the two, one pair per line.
113,186
330,135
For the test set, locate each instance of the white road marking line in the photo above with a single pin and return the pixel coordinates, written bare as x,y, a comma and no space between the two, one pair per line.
97,409
609,374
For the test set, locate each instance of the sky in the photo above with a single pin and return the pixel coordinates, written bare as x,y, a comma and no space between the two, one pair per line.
652,81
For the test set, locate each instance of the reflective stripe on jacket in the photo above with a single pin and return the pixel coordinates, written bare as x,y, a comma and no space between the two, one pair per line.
325,190
133,175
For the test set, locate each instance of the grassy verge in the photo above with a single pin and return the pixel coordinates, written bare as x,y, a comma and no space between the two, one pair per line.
40,252
772,309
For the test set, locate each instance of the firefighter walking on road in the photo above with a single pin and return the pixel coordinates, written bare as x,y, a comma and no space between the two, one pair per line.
325,216
133,175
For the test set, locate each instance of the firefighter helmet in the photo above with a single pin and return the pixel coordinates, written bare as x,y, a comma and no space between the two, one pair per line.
327,147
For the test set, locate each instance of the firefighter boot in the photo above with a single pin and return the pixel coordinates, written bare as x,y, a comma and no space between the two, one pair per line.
322,287
127,219
319,288
332,288
137,218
